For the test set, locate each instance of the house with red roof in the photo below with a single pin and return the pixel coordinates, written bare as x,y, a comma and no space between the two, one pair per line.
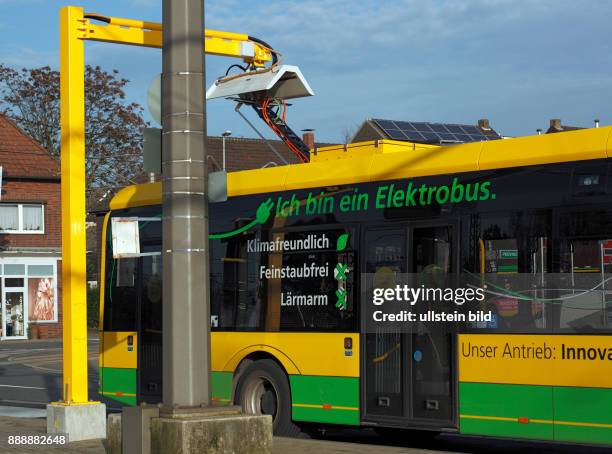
30,237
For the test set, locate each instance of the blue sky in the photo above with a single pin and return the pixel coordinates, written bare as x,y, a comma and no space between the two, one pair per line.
517,62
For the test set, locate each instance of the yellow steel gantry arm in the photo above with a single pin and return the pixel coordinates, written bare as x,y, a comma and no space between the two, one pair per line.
75,28
149,34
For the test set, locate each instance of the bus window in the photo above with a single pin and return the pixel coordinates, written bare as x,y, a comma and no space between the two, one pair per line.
126,272
589,179
121,295
236,302
513,263
432,250
249,290
585,303
123,285
322,298
586,256
501,256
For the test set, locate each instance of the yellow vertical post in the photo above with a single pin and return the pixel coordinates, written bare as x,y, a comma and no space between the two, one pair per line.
72,118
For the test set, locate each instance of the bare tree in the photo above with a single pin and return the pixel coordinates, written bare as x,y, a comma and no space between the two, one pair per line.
348,132
113,126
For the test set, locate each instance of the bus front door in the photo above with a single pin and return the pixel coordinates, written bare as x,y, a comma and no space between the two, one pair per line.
408,372
150,330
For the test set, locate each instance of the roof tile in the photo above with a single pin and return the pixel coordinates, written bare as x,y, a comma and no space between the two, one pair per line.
22,156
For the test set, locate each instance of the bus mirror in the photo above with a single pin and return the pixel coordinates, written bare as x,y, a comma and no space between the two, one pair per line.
217,186
125,237
285,82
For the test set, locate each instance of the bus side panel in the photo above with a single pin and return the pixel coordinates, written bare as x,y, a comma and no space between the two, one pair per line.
299,353
118,378
324,388
221,384
536,386
332,400
119,385
500,410
583,414
560,413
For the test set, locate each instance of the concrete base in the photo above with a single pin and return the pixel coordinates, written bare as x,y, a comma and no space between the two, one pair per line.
114,440
229,433
195,430
136,425
79,422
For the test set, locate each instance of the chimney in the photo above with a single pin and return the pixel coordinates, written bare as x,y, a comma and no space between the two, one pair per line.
555,124
308,138
484,124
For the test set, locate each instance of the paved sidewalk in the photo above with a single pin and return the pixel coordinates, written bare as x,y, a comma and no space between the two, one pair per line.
37,425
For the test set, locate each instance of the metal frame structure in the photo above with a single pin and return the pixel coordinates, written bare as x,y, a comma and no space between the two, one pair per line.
75,29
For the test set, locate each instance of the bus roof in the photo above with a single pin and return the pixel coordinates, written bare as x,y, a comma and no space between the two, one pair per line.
389,160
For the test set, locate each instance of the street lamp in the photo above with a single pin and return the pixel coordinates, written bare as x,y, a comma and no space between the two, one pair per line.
225,134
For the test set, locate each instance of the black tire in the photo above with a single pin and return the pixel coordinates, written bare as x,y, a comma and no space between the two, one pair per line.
263,388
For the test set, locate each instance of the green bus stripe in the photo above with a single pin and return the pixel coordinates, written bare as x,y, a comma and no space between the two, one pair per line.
544,412
583,414
495,409
333,400
122,400
221,386
115,379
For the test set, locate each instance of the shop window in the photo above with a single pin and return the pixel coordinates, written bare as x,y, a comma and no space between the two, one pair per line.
13,310
38,289
14,270
22,218
42,305
13,282
40,270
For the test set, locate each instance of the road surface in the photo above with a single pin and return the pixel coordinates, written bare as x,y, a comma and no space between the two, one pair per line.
30,372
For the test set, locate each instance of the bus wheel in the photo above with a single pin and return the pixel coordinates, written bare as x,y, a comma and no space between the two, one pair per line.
263,389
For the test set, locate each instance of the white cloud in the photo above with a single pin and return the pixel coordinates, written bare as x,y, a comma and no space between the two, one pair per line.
27,57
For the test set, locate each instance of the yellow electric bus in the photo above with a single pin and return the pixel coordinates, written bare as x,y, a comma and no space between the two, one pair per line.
291,249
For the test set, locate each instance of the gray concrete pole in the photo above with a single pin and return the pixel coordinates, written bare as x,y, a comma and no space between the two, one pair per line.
186,310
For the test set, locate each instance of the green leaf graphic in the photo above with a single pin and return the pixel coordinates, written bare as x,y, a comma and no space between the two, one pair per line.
342,242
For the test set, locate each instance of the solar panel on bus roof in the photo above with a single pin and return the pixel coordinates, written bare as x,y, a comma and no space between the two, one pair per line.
424,132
